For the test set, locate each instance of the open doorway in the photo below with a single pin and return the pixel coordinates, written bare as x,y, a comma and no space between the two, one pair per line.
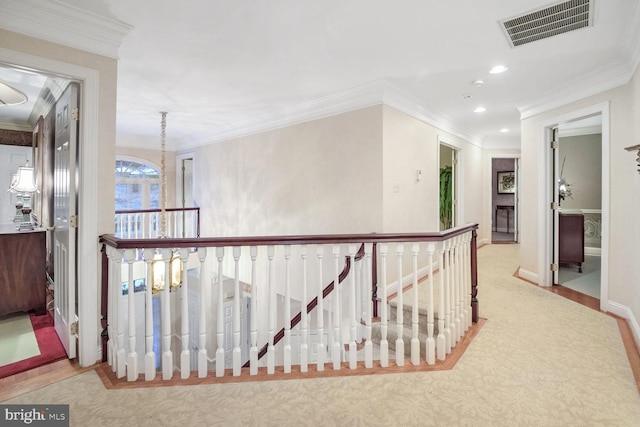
504,200
448,187
579,186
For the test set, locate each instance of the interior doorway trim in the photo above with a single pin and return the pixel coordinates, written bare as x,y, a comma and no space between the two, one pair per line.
459,184
545,184
87,249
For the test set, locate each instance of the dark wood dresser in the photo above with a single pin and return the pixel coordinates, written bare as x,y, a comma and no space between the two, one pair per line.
571,239
22,270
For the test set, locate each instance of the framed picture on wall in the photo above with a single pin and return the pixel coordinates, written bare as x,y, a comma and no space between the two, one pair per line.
506,182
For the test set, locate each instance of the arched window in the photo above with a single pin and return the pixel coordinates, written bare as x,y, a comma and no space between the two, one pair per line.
137,185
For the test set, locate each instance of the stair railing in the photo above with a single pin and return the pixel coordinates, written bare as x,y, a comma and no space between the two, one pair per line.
254,280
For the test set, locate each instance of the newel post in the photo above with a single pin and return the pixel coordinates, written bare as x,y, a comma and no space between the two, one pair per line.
474,276
104,301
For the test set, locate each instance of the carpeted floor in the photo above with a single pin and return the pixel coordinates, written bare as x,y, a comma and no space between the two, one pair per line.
539,360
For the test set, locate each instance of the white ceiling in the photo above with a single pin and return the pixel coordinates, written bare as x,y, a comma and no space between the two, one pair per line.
224,68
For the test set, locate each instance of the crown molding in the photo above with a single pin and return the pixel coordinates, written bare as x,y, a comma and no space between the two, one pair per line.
401,101
598,81
633,39
374,93
341,102
61,23
21,127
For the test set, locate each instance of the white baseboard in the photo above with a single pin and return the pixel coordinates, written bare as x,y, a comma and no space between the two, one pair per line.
482,242
593,251
626,313
528,275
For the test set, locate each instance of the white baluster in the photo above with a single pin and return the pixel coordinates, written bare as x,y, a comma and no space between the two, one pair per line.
304,319
202,338
457,289
271,350
467,281
361,309
430,343
441,342
384,344
336,352
287,311
353,348
253,353
237,354
167,355
415,341
150,355
220,316
321,349
120,320
112,316
448,332
185,354
368,345
400,310
132,357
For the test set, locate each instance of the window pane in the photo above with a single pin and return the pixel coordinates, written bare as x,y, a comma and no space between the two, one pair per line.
128,197
154,196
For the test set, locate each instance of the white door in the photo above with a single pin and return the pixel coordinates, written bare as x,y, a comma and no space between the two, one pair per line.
555,205
64,210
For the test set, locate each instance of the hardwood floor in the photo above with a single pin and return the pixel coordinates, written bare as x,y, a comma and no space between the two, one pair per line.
36,378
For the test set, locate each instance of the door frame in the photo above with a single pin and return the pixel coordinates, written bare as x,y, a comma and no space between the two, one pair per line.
458,189
516,210
88,273
545,220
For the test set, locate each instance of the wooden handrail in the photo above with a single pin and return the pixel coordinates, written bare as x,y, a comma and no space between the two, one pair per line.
132,211
158,210
314,302
203,242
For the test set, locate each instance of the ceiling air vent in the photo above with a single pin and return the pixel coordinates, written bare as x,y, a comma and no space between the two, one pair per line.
548,22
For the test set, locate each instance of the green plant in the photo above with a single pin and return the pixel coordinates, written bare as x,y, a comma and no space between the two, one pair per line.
446,196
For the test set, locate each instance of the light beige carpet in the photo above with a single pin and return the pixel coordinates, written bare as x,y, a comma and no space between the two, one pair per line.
540,360
18,339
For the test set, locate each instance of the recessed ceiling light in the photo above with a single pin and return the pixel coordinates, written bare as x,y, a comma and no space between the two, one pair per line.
480,110
498,69
478,82
504,130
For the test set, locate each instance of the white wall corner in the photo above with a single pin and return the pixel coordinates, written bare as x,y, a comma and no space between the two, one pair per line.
528,275
64,24
624,312
406,103
633,39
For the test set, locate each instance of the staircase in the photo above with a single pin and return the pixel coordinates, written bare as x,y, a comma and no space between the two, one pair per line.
392,328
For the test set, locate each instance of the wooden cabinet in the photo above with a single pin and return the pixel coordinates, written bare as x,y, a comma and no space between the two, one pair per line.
22,270
571,239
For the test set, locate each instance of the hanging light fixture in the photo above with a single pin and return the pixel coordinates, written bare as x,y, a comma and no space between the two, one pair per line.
10,95
175,263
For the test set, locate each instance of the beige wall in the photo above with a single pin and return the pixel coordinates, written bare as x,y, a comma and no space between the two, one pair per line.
318,177
623,268
154,158
410,205
582,157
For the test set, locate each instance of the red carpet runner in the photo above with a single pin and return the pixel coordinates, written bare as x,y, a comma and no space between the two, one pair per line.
50,347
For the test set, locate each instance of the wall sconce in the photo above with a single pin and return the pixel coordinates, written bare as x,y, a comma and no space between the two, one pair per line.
24,184
635,148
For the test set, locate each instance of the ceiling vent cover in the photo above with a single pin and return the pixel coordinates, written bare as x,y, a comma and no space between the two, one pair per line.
548,22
